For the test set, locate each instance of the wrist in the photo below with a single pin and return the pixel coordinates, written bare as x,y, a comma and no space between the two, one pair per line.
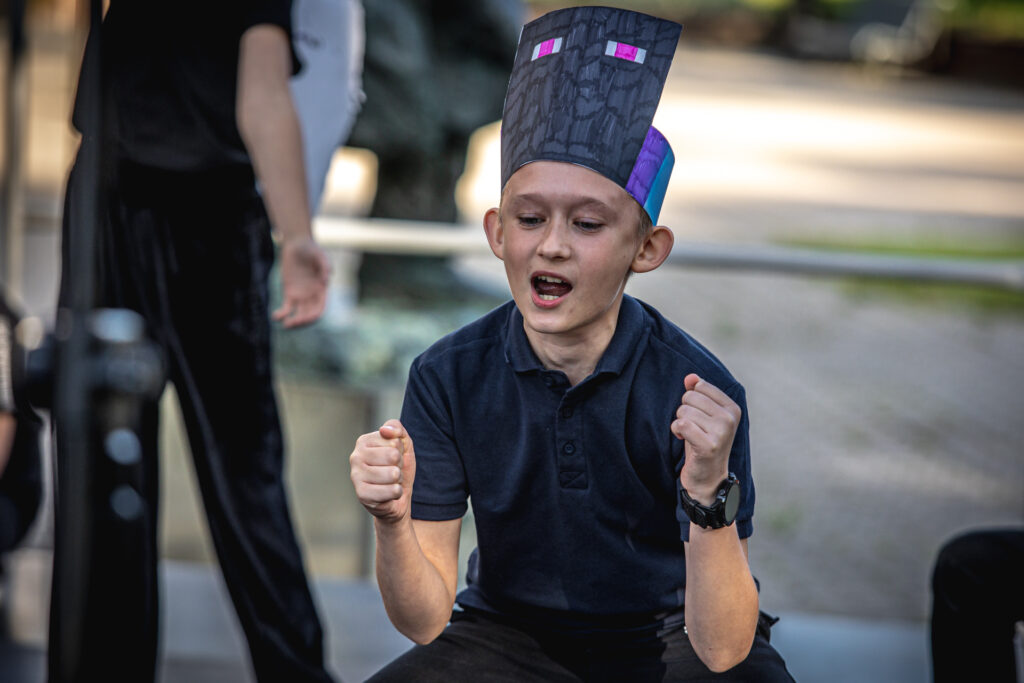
721,512
389,525
295,237
702,489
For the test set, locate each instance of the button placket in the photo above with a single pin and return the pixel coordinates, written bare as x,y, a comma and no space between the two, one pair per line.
572,466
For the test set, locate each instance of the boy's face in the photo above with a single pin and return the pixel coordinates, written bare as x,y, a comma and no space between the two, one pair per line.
569,238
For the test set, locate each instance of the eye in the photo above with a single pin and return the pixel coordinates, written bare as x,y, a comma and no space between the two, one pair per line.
529,221
588,226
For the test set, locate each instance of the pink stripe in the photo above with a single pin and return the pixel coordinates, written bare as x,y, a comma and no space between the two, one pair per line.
623,51
548,45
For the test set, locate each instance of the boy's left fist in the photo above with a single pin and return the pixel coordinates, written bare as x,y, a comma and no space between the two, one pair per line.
706,420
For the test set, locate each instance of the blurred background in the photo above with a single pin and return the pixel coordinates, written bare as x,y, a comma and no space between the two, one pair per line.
885,414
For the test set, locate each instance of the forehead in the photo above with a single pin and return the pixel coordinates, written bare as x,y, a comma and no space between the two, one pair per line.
564,182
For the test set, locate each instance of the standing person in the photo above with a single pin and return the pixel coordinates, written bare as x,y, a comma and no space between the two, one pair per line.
197,111
604,450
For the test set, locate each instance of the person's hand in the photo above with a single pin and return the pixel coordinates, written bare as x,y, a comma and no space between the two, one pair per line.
707,420
383,468
305,272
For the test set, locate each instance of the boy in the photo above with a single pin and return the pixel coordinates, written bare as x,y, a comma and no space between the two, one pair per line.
611,515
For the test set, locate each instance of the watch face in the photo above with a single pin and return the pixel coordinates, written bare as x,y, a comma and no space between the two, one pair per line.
732,503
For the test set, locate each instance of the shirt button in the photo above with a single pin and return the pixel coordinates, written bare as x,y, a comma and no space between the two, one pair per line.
569,448
566,411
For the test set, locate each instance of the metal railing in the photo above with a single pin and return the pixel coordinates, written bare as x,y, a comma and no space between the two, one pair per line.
426,238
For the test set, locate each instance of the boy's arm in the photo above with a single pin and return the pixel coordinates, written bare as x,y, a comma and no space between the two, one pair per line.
417,561
721,597
721,602
270,130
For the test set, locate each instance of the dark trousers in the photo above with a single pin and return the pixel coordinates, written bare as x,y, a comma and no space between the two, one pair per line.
978,596
192,253
482,648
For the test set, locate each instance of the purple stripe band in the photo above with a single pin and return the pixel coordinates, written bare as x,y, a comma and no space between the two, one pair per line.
649,180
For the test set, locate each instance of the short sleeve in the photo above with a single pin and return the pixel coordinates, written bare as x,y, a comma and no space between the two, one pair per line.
277,13
440,490
739,464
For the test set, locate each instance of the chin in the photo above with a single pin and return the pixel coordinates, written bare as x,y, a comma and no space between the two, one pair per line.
544,321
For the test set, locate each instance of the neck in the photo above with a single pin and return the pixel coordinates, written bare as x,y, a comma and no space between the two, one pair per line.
575,354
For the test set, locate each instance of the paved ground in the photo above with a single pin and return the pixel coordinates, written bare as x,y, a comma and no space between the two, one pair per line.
202,642
880,427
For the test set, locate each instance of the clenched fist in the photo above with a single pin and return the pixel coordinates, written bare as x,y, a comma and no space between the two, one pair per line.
707,420
383,468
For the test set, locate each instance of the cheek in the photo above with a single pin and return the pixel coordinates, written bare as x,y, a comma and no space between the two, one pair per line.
611,271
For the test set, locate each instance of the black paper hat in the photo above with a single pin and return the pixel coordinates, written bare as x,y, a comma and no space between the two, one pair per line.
584,88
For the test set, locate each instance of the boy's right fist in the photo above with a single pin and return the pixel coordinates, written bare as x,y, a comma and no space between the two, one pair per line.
383,468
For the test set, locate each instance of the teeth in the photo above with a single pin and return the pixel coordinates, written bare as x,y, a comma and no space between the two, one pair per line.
547,297
548,278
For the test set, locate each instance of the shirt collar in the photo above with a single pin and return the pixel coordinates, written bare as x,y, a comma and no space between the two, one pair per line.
629,331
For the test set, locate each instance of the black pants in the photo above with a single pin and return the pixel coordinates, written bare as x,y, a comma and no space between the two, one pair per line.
479,647
192,254
978,596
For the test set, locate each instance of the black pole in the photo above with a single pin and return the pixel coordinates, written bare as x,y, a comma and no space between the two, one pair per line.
74,513
103,606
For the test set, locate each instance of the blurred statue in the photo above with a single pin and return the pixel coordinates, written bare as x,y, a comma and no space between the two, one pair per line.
434,72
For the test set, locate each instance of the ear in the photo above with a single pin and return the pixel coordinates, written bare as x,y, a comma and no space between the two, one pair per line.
495,232
654,250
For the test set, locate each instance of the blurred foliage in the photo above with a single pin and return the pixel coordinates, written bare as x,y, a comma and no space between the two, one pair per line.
940,247
974,299
970,299
991,19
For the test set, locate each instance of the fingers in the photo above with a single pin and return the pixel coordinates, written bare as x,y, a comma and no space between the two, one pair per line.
305,274
693,382
382,466
392,429
376,470
386,446
301,310
706,417
690,381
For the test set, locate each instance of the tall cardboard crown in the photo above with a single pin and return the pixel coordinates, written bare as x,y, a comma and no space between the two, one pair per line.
584,89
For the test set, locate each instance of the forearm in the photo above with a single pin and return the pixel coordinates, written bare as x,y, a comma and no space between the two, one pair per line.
270,129
417,599
721,597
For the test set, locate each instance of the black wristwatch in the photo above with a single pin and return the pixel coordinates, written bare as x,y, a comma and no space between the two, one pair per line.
722,512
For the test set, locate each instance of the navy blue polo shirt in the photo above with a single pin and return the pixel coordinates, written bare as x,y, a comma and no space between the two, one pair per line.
573,487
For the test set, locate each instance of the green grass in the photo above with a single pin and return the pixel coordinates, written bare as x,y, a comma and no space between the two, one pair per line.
974,299
942,247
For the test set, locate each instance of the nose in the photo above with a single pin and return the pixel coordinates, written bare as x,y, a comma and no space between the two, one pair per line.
554,243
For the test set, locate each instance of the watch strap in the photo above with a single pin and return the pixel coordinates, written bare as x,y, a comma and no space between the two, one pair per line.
709,516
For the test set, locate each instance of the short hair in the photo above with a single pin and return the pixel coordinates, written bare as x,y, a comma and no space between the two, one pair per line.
645,225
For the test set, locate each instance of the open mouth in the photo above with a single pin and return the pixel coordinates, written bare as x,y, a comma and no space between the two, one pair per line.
550,288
